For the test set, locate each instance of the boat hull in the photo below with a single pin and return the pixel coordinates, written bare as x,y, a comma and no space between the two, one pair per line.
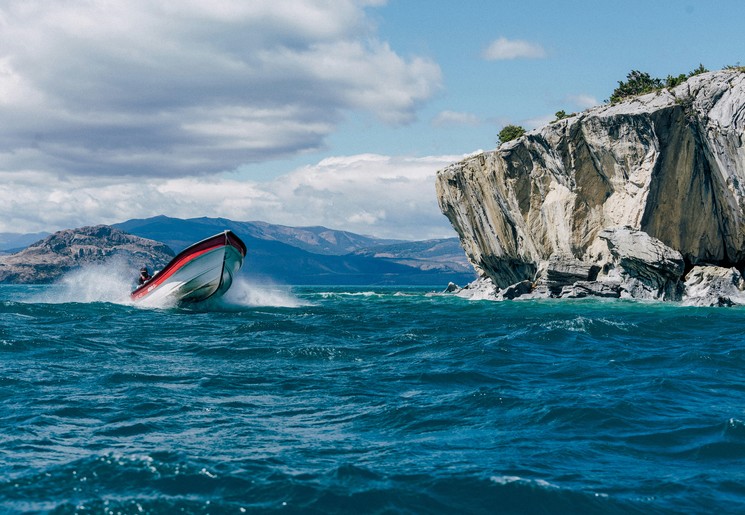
202,271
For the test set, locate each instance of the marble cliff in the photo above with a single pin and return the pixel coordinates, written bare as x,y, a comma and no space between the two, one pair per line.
642,199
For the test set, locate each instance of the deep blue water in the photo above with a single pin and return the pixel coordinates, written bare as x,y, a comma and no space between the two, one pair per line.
341,400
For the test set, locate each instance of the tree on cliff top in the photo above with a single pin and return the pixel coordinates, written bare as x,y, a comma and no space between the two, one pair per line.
509,133
637,83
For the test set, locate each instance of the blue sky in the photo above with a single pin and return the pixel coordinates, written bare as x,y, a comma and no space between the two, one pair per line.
588,46
299,112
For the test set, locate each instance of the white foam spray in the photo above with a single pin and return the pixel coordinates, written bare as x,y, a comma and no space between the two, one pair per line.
113,281
110,282
244,294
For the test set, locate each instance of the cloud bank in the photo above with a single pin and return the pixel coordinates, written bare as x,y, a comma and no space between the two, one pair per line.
455,118
506,49
583,101
168,89
391,197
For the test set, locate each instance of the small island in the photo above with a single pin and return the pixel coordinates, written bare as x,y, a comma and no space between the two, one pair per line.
643,197
50,258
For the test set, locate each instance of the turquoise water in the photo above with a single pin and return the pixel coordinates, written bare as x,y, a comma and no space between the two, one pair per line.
342,400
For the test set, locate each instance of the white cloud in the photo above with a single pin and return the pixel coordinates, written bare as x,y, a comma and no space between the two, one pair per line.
154,87
505,49
579,102
540,121
450,118
583,101
370,194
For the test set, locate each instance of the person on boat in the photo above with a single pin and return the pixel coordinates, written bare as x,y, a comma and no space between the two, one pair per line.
144,275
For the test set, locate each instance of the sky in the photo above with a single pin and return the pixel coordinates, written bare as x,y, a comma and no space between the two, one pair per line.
304,112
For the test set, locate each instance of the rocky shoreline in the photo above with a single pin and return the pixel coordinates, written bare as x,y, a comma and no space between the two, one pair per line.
644,199
642,268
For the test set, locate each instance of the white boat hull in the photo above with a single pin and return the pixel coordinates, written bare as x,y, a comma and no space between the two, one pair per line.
204,270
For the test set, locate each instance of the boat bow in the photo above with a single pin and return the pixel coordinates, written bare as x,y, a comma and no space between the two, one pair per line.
201,271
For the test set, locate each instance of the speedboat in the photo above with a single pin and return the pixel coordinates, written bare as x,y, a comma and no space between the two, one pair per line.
199,272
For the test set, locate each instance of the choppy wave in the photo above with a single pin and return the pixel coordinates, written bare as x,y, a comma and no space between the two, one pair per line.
330,400
168,482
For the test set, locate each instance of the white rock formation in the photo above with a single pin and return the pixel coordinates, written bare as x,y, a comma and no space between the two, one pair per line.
714,286
668,165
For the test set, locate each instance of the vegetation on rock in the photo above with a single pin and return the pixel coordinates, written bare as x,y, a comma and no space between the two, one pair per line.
510,132
639,83
560,115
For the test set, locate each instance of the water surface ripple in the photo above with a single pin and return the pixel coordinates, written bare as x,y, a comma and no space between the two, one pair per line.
370,401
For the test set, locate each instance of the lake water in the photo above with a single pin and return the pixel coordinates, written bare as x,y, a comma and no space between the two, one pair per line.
366,400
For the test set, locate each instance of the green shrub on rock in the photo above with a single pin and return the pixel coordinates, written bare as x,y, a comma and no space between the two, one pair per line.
671,81
560,115
637,83
698,71
510,132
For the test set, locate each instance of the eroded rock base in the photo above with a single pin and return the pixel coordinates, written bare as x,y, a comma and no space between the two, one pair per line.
637,266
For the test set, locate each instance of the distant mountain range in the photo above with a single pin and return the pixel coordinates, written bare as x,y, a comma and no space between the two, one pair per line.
312,255
12,242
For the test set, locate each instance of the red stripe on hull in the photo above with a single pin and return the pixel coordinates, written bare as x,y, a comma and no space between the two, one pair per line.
185,257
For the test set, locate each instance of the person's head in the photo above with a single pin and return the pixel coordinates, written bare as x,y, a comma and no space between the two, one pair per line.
143,271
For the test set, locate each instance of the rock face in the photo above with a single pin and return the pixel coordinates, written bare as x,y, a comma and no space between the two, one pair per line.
620,200
714,286
48,259
644,266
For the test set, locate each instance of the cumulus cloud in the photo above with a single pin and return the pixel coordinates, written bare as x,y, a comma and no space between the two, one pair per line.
505,49
539,121
384,196
154,87
583,101
454,118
